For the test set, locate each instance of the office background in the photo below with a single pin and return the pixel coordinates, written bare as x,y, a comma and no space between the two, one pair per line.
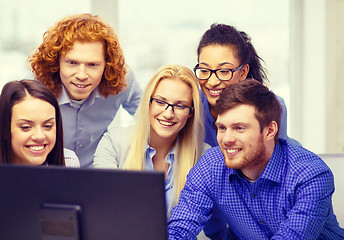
301,42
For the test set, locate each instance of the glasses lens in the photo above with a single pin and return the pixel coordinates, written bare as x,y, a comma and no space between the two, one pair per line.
177,109
224,74
202,73
181,110
158,103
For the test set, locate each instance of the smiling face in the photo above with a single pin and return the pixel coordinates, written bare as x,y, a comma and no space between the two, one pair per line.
81,69
215,57
33,131
241,140
166,124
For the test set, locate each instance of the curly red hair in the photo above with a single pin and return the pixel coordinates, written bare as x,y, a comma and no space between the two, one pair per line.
60,38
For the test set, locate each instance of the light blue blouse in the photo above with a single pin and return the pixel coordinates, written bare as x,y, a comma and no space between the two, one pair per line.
150,152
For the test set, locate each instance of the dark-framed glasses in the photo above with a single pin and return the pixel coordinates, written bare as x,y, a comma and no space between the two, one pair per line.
178,109
223,74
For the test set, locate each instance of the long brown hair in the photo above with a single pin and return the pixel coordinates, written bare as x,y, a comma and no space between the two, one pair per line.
14,92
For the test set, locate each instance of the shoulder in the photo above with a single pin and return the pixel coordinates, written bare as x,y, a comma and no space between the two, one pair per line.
132,86
71,159
213,154
118,133
281,101
209,171
63,97
112,147
302,161
205,147
130,77
211,161
130,80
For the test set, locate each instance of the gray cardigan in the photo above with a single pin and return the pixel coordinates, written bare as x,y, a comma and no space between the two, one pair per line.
114,146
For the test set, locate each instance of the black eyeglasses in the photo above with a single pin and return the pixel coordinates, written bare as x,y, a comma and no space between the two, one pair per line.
176,108
223,74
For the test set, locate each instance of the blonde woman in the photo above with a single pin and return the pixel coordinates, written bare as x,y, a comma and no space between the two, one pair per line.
167,135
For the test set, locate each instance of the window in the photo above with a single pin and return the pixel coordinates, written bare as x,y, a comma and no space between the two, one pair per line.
153,33
22,25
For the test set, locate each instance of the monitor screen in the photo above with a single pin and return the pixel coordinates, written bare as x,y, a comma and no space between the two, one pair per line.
66,203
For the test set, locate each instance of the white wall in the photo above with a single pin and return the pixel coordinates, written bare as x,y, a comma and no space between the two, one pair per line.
108,10
334,74
316,61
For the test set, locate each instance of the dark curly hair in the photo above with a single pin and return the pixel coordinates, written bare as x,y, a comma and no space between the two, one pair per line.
224,35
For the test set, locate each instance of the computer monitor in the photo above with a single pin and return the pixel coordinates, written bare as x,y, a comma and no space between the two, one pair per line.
58,203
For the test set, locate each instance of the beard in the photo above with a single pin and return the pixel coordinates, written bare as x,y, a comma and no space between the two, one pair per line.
253,157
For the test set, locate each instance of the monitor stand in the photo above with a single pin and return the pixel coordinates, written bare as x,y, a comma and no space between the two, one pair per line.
59,221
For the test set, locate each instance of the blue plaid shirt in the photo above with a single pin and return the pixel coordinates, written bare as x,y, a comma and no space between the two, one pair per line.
292,199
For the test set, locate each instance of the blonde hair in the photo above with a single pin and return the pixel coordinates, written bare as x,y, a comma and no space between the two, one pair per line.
189,143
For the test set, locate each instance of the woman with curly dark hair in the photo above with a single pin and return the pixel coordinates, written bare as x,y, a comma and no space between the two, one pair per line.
227,56
81,61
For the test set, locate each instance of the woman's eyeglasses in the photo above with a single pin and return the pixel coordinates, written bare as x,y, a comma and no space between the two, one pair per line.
223,74
178,109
